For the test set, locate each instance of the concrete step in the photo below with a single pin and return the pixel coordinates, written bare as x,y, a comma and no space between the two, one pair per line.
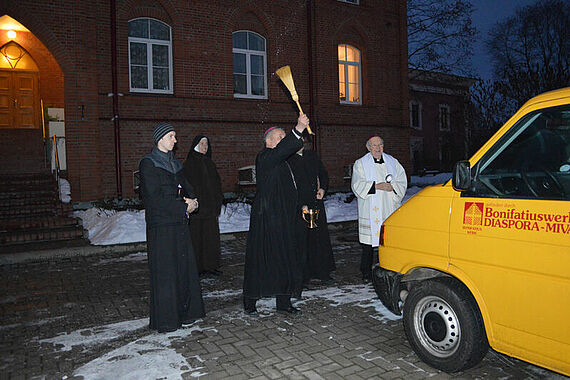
16,248
31,194
31,210
37,222
26,202
42,234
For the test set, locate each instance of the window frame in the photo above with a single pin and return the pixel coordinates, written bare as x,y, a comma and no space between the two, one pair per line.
448,117
355,2
483,176
419,104
248,53
346,65
149,42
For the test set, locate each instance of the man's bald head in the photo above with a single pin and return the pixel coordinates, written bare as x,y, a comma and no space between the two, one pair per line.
273,136
375,145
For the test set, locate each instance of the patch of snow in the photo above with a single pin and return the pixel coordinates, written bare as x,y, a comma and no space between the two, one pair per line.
152,357
64,190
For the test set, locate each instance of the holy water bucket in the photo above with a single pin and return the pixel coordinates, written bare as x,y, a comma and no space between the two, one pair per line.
312,216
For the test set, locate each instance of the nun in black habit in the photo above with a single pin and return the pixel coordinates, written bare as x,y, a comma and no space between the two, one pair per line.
314,245
175,295
271,258
201,173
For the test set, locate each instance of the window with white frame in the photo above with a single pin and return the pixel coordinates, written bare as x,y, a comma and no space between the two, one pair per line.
444,122
349,82
416,114
150,56
250,65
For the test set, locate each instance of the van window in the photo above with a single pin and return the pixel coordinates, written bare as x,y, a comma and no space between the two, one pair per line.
531,161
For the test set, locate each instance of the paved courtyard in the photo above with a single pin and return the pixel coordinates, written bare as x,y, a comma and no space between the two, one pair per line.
86,316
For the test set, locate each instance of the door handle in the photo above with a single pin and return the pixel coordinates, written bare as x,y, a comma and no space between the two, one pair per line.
15,103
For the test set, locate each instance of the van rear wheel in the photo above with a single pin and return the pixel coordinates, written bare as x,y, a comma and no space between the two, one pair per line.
444,326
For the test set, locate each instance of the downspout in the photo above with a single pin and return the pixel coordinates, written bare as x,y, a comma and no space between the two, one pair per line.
315,123
115,98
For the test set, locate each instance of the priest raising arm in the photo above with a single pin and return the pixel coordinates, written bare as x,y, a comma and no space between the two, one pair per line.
271,266
379,183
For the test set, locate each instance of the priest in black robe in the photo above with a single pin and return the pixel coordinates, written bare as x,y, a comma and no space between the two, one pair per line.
271,264
315,253
175,294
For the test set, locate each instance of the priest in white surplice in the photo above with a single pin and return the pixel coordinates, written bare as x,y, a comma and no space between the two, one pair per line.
379,183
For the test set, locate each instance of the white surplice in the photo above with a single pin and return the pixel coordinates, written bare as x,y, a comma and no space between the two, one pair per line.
373,209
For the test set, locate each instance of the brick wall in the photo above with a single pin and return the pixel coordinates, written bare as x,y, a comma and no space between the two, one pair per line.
77,34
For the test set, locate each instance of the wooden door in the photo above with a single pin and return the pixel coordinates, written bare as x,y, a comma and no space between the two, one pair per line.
19,100
6,100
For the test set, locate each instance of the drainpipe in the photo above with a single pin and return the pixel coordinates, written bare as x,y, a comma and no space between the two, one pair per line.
115,98
309,4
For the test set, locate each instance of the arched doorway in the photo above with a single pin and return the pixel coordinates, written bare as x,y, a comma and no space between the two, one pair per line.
31,86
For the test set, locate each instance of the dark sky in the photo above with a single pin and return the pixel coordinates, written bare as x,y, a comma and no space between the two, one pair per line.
486,14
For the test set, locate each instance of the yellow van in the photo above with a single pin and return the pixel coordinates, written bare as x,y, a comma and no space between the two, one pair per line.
484,260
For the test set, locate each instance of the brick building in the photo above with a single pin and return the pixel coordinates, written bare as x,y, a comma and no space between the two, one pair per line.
439,127
108,71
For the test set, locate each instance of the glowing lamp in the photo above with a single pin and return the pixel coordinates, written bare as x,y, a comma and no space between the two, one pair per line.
11,34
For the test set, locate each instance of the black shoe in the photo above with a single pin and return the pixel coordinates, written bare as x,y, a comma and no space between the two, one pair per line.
165,330
249,306
216,272
366,279
290,310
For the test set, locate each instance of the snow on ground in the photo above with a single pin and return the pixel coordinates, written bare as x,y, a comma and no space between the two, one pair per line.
107,227
154,355
150,357
64,190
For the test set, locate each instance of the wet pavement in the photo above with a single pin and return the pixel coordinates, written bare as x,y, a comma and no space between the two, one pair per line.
84,313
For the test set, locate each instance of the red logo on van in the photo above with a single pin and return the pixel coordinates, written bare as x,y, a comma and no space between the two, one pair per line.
473,213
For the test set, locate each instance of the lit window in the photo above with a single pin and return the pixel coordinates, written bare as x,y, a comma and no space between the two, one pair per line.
444,122
250,65
350,1
415,114
349,83
150,56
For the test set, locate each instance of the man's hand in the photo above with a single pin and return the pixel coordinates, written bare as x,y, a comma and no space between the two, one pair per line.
191,204
320,194
302,123
305,208
385,186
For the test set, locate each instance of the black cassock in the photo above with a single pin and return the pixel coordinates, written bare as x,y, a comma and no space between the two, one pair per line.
175,294
201,173
270,259
315,251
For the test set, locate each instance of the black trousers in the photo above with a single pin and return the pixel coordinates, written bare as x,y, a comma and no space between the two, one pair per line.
366,260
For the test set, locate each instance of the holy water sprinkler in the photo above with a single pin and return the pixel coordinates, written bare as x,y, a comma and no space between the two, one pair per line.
284,73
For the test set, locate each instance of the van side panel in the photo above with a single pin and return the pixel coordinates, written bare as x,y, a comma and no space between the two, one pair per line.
517,252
